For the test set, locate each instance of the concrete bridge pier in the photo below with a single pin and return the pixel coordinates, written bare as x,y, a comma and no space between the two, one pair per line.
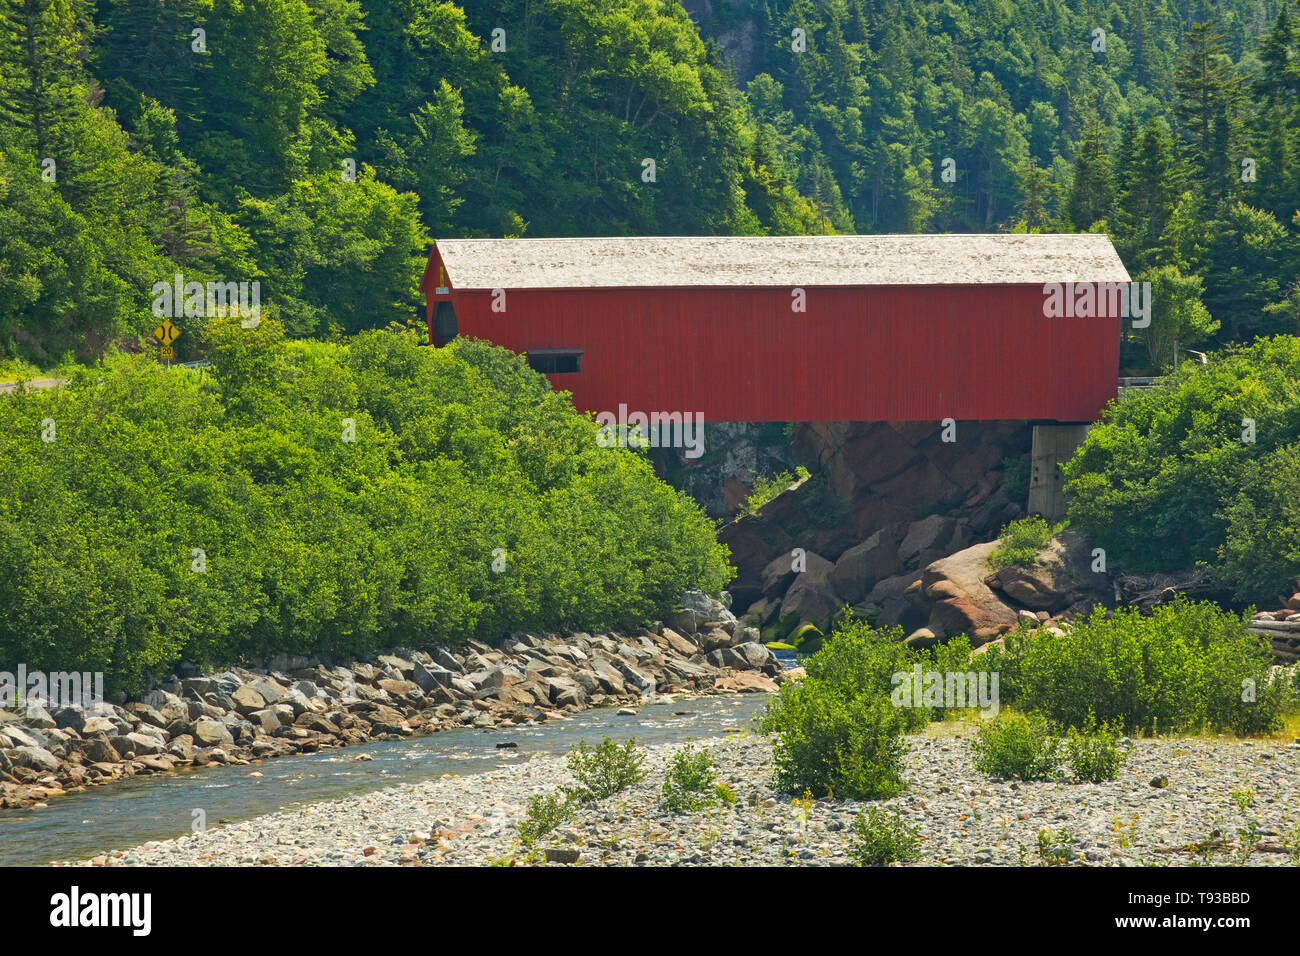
1053,445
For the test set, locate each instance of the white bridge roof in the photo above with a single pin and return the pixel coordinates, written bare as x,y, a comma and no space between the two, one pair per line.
780,261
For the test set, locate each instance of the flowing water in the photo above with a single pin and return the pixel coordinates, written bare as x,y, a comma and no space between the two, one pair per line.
159,807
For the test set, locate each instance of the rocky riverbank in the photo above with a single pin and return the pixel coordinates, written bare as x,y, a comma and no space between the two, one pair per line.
303,705
963,817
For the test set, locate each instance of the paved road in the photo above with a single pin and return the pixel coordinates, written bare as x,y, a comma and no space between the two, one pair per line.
32,383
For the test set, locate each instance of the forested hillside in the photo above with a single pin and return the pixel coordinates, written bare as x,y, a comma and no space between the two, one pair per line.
315,146
1173,126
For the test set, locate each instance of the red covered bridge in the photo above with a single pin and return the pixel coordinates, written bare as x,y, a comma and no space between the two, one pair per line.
821,328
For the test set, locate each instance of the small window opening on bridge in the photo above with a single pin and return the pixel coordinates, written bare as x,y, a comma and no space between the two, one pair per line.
555,361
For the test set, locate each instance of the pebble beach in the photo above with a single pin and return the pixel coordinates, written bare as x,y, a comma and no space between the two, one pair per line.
1172,794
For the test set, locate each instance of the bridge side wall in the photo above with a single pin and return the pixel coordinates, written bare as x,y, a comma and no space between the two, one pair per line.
881,353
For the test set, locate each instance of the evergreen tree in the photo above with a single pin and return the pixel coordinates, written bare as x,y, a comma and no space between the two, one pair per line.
42,88
1092,190
1208,97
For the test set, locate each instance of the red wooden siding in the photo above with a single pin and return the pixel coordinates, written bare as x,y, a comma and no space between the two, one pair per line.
875,353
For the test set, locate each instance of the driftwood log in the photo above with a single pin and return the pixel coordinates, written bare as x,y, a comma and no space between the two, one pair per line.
1147,591
1283,635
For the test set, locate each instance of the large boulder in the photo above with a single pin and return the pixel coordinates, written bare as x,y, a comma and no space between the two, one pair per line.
707,608
1061,576
34,715
34,758
756,656
929,535
644,683
13,735
860,567
427,677
679,643
778,575
695,610
811,598
249,699
139,744
445,658
167,704
208,732
960,601
745,682
891,596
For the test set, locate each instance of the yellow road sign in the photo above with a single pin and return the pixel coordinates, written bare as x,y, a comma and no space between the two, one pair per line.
166,353
166,333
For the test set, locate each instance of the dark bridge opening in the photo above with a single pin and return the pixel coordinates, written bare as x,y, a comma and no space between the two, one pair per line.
445,327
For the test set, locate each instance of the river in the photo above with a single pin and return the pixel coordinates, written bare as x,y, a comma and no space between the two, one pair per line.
159,807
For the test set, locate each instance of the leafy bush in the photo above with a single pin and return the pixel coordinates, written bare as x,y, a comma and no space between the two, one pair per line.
881,838
1260,555
839,731
310,542
604,770
1093,753
1018,746
1055,849
765,489
689,785
546,811
849,746
1015,477
1185,667
860,660
1020,542
1167,481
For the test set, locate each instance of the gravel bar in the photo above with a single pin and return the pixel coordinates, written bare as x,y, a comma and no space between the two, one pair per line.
964,818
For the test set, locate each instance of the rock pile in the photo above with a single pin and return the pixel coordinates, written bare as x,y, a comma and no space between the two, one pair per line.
302,705
860,525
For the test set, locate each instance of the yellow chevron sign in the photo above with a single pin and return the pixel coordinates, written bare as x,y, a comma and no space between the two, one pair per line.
166,333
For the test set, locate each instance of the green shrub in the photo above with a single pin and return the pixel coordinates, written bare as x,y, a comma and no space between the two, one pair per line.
765,489
848,746
546,811
881,838
1093,753
313,543
859,659
1055,849
604,770
1187,666
1018,746
689,785
1166,480
1260,554
1020,542
839,731
1015,478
